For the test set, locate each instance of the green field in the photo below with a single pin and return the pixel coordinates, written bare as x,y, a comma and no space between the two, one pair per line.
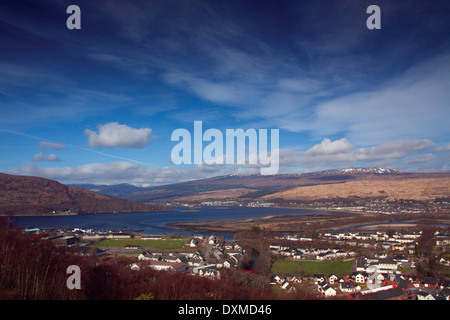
312,267
154,244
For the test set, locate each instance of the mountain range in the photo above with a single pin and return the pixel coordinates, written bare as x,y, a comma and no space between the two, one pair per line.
25,195
322,185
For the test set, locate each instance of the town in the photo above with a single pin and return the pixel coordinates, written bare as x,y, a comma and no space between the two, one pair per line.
369,205
358,265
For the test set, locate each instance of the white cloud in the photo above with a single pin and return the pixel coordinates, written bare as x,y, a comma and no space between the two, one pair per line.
423,158
330,147
51,145
341,152
44,157
393,150
113,135
443,148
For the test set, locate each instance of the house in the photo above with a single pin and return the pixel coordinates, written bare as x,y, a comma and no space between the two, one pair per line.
194,262
381,255
174,258
159,265
151,238
217,252
64,240
219,262
278,278
360,277
325,289
445,284
274,246
284,284
212,274
383,294
399,257
349,287
445,293
212,239
444,262
414,280
319,278
295,278
146,255
203,269
119,235
430,282
421,295
166,266
285,252
230,263
296,255
288,286
387,264
194,242
332,278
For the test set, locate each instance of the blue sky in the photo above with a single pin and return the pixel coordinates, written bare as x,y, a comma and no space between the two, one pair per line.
98,105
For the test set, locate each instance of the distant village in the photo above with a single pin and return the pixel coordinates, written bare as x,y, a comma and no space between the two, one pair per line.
369,205
379,276
383,262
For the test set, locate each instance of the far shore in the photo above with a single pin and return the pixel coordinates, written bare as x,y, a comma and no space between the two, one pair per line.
336,220
71,213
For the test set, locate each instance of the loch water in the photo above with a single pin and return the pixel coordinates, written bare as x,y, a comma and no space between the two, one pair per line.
155,223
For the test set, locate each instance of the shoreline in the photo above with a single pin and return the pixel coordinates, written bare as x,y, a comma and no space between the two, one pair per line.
233,226
76,213
285,223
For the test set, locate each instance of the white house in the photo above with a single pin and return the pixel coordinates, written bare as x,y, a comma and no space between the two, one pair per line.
387,264
325,289
194,242
360,277
319,278
333,278
349,287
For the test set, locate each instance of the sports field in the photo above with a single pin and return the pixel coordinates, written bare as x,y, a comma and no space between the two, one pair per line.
154,244
339,267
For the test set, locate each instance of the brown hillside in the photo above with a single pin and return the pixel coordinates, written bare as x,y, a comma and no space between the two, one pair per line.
412,188
228,194
33,196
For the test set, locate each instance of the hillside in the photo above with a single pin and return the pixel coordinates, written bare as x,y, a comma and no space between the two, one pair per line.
23,195
420,189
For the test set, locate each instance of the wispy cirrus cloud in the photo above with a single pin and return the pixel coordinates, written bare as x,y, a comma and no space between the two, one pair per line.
51,145
407,107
